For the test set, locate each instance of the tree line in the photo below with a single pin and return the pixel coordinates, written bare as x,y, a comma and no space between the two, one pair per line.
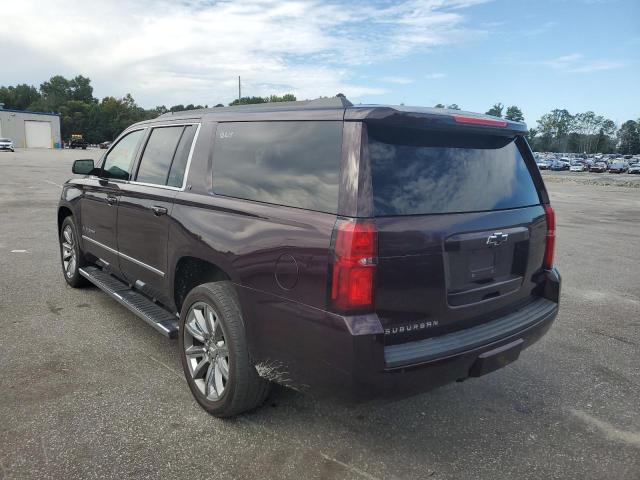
560,131
97,120
100,120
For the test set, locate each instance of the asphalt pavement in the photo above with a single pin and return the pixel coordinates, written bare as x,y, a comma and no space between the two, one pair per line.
89,391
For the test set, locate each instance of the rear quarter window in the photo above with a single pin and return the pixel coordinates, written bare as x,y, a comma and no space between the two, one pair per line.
417,172
286,163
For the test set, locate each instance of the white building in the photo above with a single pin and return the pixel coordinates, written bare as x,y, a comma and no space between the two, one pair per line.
30,129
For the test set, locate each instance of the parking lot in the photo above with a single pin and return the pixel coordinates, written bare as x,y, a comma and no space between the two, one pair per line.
89,391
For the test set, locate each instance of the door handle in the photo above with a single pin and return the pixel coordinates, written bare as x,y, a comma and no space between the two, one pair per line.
157,211
111,200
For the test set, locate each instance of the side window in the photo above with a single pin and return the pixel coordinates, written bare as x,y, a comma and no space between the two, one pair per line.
179,165
120,158
286,163
158,154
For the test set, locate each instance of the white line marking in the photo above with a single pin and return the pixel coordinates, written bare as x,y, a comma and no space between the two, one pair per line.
18,251
166,366
351,468
53,183
611,432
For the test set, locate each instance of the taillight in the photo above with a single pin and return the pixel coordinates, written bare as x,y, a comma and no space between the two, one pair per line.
354,264
551,237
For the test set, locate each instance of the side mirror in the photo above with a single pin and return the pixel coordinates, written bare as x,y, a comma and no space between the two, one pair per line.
82,167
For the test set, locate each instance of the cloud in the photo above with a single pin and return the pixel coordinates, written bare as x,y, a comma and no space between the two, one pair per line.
434,76
397,80
575,63
167,52
597,65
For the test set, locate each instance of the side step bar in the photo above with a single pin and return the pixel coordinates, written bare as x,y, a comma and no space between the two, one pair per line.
140,305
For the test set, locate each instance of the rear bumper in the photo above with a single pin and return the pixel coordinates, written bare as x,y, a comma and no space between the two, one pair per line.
420,366
538,312
328,355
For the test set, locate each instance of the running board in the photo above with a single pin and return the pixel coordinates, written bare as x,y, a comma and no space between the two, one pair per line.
154,315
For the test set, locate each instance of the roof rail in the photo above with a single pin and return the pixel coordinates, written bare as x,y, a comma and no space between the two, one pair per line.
339,101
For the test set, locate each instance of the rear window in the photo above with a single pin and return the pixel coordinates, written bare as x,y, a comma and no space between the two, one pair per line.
287,163
417,172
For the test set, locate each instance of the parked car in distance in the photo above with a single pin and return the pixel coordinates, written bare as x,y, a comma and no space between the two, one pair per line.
634,169
542,164
558,166
78,143
618,167
295,243
104,145
578,167
598,167
6,144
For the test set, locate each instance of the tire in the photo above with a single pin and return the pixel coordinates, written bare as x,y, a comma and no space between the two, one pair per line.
212,340
70,254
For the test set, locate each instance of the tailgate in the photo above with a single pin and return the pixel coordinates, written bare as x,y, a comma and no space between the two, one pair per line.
437,274
461,228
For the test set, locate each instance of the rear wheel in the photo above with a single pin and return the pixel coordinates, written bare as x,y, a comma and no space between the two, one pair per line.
70,254
214,352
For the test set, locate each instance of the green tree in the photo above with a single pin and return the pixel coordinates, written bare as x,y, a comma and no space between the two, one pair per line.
629,138
554,128
19,97
75,118
289,97
439,105
453,106
159,110
80,89
247,101
55,92
532,138
586,125
113,115
605,141
514,114
496,110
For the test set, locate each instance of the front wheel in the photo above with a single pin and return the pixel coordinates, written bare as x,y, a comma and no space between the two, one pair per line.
214,352
70,254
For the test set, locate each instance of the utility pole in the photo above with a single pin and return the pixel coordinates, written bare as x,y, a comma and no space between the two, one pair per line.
239,90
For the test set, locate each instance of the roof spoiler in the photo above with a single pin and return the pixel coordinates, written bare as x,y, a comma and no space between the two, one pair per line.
436,119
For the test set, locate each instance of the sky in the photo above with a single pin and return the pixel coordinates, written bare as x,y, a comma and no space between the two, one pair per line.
538,54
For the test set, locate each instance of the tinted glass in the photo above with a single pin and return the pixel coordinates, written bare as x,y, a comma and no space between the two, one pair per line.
120,159
420,173
181,157
287,163
158,154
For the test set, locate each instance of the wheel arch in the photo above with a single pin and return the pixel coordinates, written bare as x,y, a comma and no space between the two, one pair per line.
63,212
189,272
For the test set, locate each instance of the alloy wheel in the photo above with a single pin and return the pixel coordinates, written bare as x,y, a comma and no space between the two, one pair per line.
206,350
69,260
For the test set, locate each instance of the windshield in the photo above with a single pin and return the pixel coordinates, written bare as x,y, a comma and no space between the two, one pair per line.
5,139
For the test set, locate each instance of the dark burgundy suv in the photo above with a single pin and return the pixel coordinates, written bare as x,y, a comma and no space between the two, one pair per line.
355,251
